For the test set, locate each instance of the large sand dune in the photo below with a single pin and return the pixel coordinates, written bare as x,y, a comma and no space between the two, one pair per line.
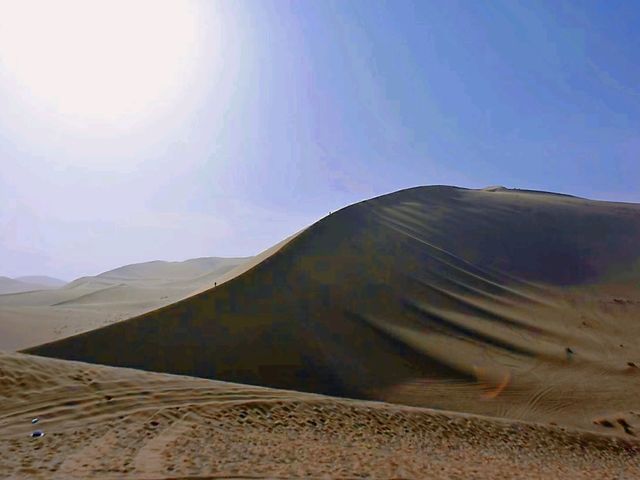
507,303
102,422
33,317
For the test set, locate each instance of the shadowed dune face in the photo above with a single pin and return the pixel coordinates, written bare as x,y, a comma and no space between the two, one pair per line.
500,302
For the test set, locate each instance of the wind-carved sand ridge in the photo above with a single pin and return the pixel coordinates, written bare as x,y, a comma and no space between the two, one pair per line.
104,422
514,304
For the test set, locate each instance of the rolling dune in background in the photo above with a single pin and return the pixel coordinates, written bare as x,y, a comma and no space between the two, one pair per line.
516,304
28,284
33,317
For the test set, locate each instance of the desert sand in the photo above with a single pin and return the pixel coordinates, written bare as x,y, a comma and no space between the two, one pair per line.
506,303
28,284
47,311
516,309
102,422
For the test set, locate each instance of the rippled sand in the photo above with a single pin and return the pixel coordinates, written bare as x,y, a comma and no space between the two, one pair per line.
103,422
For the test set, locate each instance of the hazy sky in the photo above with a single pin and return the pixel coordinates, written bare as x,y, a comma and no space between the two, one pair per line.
177,130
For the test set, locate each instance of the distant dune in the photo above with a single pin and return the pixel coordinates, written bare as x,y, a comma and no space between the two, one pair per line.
44,280
102,422
34,317
28,284
498,302
161,273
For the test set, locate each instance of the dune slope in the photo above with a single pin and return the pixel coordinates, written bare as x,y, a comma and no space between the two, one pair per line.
28,284
44,280
499,302
103,422
34,317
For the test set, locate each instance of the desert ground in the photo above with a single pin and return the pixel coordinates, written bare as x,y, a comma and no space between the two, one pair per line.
352,344
102,422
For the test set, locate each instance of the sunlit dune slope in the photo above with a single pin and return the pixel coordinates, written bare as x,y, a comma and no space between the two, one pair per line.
159,273
34,317
501,302
103,422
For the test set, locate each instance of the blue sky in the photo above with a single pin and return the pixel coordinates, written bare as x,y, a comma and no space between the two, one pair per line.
294,109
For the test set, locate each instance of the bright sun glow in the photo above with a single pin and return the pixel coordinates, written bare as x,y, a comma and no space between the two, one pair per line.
107,61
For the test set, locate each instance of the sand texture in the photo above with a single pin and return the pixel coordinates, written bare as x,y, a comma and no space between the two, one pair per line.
514,304
113,423
33,317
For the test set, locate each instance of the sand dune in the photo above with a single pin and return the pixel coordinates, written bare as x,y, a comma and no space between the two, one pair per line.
102,422
161,272
44,280
28,284
498,302
34,317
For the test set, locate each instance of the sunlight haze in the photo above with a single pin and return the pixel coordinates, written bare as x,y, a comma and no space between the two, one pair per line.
135,131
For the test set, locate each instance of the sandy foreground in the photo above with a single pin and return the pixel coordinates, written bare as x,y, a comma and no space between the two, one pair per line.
105,422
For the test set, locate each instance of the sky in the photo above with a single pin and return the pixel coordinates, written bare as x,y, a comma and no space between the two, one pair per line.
136,131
